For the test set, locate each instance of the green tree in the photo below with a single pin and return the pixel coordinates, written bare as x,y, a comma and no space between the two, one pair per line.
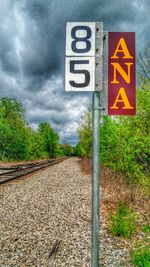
85,134
49,139
124,140
18,141
11,109
13,130
78,150
144,69
67,149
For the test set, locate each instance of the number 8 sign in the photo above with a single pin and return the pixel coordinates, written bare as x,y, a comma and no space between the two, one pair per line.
83,56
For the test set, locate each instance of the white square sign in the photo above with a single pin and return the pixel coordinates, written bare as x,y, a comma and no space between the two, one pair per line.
84,44
80,39
80,74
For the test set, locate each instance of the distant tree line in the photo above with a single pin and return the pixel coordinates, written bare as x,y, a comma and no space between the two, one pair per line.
18,141
124,140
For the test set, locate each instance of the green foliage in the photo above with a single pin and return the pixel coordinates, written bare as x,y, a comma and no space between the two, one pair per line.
124,140
146,228
77,150
123,221
49,139
144,69
13,130
67,150
18,141
11,110
85,135
109,142
141,256
130,137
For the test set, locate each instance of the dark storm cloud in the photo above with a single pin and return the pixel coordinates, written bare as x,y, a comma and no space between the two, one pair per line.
45,33
32,52
8,59
42,54
42,40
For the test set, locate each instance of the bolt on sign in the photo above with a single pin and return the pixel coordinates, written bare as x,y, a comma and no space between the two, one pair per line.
84,44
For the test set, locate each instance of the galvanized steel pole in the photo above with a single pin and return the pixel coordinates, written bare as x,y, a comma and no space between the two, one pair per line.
95,178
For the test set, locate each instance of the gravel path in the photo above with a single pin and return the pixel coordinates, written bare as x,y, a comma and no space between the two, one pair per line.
51,210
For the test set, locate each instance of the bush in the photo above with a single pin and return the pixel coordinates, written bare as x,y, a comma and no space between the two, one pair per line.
141,256
146,228
123,221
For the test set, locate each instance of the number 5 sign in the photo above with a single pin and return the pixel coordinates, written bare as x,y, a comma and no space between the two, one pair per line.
84,47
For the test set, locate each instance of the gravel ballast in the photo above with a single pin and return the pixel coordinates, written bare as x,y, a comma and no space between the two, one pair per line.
50,211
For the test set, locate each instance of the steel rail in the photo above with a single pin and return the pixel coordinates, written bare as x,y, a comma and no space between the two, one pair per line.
14,174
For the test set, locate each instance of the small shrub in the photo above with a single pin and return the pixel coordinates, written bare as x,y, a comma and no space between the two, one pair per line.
146,228
123,221
141,256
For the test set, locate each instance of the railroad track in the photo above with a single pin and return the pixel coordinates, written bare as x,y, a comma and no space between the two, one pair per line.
13,172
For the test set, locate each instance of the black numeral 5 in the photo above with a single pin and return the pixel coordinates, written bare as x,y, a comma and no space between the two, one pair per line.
85,72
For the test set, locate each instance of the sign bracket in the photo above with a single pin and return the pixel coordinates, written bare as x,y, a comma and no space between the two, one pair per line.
99,108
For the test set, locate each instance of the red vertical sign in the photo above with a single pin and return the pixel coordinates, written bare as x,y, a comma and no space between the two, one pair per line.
121,73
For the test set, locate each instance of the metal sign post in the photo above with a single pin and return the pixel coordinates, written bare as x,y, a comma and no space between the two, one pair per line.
84,64
95,179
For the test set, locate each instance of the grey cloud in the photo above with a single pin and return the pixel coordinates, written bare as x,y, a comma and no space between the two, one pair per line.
32,53
42,30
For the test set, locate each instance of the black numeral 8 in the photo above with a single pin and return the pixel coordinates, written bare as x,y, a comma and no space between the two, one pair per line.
81,39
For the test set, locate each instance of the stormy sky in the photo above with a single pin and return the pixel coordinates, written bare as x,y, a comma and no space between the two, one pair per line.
32,53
